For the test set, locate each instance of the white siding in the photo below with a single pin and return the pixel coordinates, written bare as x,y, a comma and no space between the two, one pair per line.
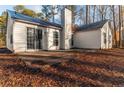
87,39
20,36
50,39
66,34
45,39
106,29
9,33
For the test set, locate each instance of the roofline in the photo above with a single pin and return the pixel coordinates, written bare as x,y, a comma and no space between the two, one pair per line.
51,26
94,28
88,30
33,23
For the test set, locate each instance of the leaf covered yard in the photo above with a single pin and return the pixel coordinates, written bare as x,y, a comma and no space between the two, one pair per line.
79,68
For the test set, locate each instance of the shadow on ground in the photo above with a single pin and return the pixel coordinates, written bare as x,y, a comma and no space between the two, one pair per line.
5,51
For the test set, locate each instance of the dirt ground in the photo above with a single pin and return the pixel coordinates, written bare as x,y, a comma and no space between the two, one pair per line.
79,68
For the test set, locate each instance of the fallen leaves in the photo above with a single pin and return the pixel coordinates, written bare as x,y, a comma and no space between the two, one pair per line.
95,68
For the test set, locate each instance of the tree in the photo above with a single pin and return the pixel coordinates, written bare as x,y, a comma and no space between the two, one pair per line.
94,12
102,11
53,12
40,15
80,16
19,8
46,12
29,12
87,14
22,9
120,26
3,27
114,26
3,21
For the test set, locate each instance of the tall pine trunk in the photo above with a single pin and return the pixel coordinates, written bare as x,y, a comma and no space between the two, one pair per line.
86,14
120,31
115,34
94,12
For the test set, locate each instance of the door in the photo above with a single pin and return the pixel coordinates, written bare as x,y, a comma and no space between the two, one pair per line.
34,39
38,39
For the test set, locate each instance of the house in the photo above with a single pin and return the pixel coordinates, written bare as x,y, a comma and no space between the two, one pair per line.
25,33
94,36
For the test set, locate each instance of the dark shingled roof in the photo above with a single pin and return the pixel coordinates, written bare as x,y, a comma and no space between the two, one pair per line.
92,26
23,17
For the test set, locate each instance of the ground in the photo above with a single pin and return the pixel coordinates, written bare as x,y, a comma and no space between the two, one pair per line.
79,68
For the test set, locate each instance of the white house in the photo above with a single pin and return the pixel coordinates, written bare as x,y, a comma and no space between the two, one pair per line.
94,36
25,33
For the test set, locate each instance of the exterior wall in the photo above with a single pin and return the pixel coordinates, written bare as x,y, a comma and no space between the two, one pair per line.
87,39
50,45
20,36
66,34
45,39
9,33
106,29
110,33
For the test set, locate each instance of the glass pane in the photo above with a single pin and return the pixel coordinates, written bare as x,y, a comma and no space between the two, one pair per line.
30,38
55,38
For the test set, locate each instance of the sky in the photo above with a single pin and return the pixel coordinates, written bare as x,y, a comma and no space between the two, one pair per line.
36,8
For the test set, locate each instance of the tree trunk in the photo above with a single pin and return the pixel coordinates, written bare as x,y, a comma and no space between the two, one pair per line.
120,34
115,36
89,15
86,14
94,11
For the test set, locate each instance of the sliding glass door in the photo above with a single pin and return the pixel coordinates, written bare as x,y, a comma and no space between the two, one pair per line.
34,38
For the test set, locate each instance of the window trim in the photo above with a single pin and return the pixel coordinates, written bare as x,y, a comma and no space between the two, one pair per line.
105,38
34,39
30,39
109,39
55,38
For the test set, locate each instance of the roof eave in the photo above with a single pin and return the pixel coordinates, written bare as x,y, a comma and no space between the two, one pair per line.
18,20
88,30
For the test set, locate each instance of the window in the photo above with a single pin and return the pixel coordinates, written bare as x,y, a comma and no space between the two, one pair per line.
34,38
30,38
39,34
38,39
104,36
72,42
11,39
55,38
109,39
